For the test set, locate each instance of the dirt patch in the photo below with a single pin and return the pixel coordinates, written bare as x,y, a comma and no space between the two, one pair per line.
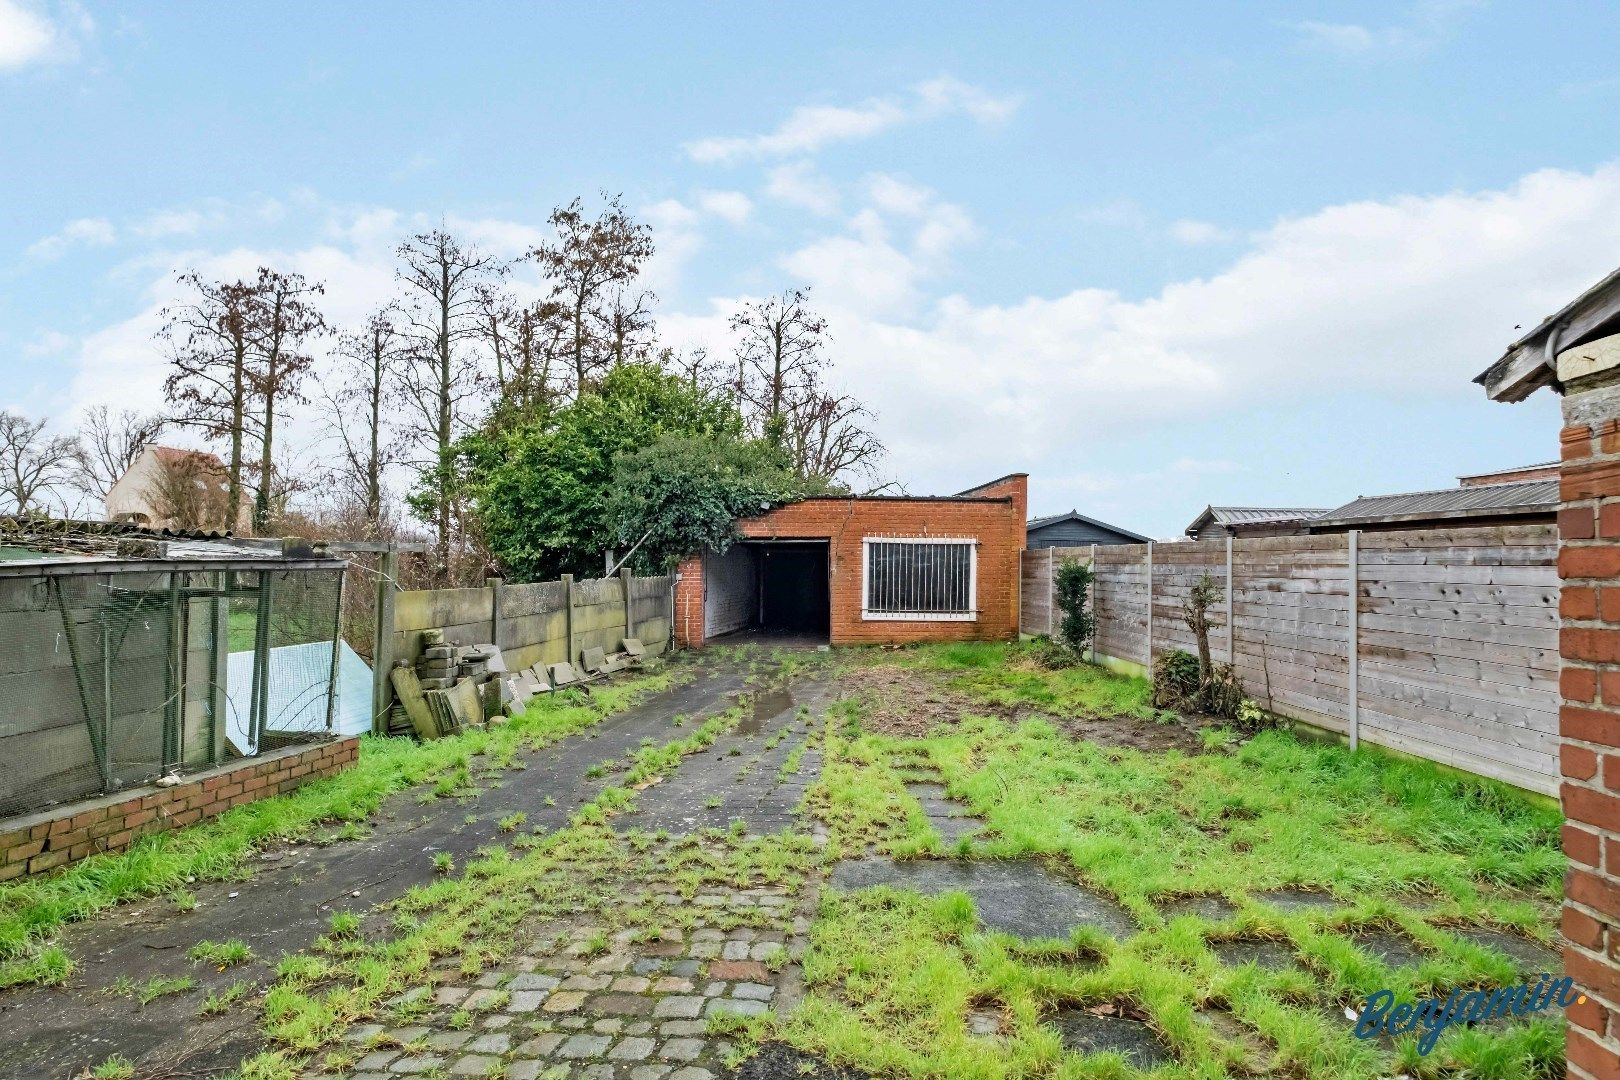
1112,1028
779,1061
1133,732
908,703
1262,952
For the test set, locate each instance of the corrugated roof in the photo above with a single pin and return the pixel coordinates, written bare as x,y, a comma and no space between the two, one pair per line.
1254,515
1528,496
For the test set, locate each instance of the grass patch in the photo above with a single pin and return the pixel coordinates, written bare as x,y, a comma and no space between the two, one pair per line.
30,911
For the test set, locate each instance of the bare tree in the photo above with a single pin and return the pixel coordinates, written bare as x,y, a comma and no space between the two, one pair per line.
827,437
370,365
626,325
189,490
781,343
589,263
110,443
209,337
285,317
34,467
440,374
539,335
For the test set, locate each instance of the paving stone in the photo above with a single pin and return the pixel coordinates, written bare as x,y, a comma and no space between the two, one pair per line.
736,1007
669,984
483,999
525,1070
691,1072
678,1007
682,1027
532,982
585,982
708,933
490,1044
714,989
573,1023
763,950
637,1027
649,1072
609,1026
647,967
635,1049
630,984
474,1065
734,950
609,964
681,1049
540,1045
362,1033
413,1065
704,950
564,1001
742,933
739,971
377,1059
584,1046
491,980
448,1040
685,968
406,1035
753,991
450,995
495,1022
526,1001
621,1004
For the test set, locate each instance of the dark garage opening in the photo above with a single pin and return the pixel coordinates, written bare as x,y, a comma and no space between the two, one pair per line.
773,589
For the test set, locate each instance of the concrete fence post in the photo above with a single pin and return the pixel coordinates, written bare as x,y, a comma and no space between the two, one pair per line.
1050,591
382,641
497,602
568,612
1353,564
1096,619
624,580
1231,605
1150,608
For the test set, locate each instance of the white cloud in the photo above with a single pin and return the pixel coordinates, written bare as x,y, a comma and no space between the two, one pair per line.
84,232
798,184
731,206
1425,26
29,36
1198,232
810,127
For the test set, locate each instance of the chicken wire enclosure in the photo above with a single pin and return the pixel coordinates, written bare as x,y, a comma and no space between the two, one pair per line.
113,675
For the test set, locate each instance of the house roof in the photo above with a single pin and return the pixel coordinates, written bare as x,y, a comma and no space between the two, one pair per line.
1529,363
1480,500
1252,515
1075,515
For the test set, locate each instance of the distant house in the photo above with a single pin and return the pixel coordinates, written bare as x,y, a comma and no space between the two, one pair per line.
1523,496
1074,529
1217,522
171,488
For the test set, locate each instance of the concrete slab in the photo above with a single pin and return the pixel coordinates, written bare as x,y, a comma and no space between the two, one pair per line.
1084,1032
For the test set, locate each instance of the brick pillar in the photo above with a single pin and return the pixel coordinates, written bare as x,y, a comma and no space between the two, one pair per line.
688,628
1589,718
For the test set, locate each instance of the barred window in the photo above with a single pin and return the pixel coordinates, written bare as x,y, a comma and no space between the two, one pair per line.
922,579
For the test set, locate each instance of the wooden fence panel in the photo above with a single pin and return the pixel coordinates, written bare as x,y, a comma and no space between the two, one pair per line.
1456,633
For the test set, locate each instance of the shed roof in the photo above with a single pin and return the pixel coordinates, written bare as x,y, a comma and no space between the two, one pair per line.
1252,515
1075,515
1481,500
57,545
1529,363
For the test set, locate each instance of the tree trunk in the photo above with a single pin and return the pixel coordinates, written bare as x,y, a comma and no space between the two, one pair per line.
444,421
233,498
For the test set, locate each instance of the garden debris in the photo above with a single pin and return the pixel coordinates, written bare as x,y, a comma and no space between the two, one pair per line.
905,702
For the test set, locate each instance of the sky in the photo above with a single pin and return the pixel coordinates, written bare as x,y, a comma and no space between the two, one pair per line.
1156,255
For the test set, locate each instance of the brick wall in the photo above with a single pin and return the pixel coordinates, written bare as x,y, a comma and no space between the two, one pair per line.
994,515
1589,725
46,840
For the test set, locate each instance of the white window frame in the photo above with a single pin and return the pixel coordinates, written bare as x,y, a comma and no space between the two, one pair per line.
970,615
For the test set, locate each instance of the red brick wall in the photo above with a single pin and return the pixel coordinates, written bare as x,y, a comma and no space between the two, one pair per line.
995,516
1589,723
46,840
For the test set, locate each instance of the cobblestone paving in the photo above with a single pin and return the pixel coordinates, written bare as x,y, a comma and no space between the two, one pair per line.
630,1006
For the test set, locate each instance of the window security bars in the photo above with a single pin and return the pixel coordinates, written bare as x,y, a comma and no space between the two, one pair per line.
921,579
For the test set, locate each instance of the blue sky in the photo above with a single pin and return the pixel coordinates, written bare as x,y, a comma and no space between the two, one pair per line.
1157,255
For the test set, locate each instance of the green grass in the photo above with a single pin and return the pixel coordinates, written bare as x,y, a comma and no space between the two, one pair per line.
220,954
1403,845
149,991
30,911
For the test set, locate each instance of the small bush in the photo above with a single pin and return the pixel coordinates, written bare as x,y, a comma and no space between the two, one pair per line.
1071,591
1175,681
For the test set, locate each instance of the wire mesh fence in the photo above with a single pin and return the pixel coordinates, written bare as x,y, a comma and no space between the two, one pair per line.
114,678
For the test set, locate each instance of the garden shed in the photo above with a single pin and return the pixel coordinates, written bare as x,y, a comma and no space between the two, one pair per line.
851,569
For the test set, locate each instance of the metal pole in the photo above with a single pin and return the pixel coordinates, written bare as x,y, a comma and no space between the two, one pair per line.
1354,560
337,654
261,666
382,643
1231,655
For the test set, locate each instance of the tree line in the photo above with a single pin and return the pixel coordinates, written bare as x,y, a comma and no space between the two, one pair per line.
458,381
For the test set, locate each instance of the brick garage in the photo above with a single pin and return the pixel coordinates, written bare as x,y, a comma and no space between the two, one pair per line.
866,570
1576,351
44,841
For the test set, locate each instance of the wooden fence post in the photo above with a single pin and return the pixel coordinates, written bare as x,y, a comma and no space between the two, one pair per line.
382,642
1353,558
1231,652
497,600
568,612
629,625
1150,608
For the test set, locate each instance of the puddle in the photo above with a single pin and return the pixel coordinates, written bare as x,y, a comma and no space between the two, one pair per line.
1084,1032
1264,952
768,704
1209,908
1017,897
1395,950
1297,899
949,818
1530,957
